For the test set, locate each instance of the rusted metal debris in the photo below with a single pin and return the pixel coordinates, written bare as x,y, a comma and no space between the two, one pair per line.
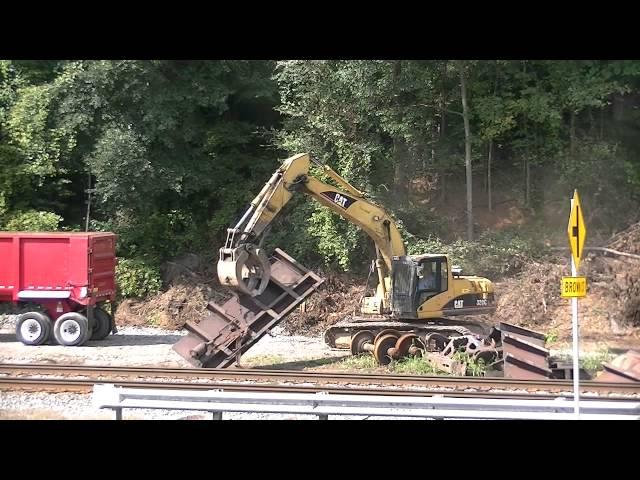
229,330
524,354
445,363
624,368
564,371
515,368
522,333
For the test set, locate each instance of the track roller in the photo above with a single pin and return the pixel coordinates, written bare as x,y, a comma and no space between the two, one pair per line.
362,341
382,346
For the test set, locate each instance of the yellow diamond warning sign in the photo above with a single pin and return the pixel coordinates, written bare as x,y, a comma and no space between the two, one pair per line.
576,230
573,287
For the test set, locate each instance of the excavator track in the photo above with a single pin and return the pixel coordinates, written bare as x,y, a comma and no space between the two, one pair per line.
339,335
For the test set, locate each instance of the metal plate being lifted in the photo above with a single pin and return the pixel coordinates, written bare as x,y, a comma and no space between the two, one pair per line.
229,330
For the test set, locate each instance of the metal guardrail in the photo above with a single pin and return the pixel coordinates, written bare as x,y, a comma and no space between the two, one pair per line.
324,405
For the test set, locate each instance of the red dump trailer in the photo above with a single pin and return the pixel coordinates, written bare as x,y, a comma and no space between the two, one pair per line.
61,282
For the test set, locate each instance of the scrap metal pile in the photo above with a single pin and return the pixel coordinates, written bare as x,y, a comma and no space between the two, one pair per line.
516,351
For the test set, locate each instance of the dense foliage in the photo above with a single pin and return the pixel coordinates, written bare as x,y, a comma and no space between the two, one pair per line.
170,152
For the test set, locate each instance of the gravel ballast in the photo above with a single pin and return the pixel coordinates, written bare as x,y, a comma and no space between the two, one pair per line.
135,346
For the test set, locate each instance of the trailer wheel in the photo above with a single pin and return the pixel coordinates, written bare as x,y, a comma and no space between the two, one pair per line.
103,324
33,328
71,329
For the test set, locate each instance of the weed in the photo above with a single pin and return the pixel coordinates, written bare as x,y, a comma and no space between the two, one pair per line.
592,363
474,368
263,360
364,360
414,366
551,337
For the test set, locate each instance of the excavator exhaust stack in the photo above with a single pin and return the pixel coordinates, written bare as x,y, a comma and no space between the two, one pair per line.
245,269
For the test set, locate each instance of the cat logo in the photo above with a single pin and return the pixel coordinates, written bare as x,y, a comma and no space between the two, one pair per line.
339,199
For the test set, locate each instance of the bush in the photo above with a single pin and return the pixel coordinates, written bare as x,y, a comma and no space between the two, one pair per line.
137,279
33,221
156,237
494,254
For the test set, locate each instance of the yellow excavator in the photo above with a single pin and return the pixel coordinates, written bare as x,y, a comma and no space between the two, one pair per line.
416,295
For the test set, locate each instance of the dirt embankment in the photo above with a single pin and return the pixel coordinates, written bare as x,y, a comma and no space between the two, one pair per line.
609,313
185,299
338,297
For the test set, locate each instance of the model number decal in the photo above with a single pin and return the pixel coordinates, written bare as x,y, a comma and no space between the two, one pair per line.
481,302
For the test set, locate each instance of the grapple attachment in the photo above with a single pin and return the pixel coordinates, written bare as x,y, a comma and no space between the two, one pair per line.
245,269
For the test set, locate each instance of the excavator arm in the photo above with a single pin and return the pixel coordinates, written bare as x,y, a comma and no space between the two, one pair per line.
244,266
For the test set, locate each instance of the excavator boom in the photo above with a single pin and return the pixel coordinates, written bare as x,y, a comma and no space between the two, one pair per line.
242,264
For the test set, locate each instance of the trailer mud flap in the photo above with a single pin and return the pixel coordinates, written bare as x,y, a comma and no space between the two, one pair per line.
230,329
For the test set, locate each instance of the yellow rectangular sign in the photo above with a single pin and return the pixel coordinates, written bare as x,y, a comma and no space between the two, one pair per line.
573,287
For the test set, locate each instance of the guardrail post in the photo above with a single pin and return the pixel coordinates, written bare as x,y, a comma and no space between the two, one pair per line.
323,417
216,415
118,413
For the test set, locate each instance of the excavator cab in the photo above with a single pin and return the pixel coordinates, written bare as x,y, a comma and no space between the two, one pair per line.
416,280
432,278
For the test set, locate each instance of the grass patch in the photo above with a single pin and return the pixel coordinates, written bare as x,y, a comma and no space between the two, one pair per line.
551,337
592,363
474,368
362,361
260,360
409,365
413,366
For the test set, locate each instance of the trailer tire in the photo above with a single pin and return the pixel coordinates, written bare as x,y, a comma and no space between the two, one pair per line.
103,324
71,329
33,328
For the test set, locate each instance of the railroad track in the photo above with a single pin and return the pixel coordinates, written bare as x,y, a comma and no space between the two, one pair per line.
81,379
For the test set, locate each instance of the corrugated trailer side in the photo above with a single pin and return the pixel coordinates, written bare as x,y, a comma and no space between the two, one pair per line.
45,266
102,266
67,276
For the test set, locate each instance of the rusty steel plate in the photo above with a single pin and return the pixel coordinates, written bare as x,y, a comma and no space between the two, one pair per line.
623,368
519,369
524,350
523,334
230,329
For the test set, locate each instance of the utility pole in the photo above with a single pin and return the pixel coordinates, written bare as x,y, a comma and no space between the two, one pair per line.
89,191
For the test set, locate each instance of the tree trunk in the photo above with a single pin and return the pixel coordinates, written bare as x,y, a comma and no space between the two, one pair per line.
489,199
467,151
572,134
618,107
400,186
441,135
490,155
527,191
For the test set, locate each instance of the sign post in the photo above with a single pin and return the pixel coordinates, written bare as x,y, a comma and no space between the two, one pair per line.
574,286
